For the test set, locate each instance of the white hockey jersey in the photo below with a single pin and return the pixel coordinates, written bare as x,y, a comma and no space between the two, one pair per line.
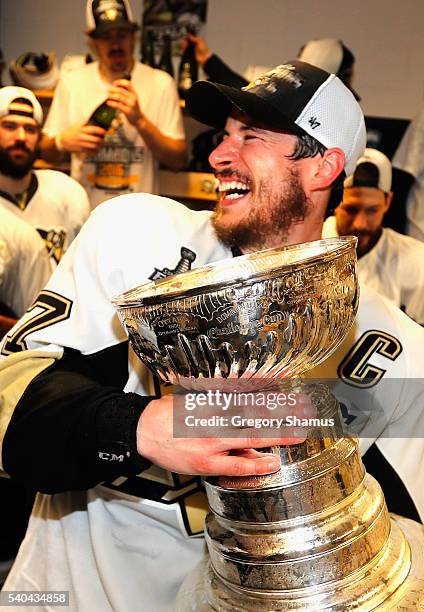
57,209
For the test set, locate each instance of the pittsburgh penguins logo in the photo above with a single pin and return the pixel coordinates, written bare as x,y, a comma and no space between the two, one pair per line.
184,264
54,241
167,489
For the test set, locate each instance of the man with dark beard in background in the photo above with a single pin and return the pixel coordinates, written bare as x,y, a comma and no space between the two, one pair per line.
50,201
389,262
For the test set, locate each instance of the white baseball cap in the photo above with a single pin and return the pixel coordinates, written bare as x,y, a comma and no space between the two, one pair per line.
20,101
326,53
331,55
380,179
296,97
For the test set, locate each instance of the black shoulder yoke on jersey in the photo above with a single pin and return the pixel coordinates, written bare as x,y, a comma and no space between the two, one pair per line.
21,200
74,427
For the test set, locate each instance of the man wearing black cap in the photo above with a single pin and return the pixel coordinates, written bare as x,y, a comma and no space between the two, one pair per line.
329,54
122,528
148,129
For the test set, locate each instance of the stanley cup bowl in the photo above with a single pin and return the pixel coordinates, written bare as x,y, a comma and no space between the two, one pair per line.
272,313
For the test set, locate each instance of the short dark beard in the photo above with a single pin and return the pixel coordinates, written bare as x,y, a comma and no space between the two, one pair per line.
271,216
373,237
8,167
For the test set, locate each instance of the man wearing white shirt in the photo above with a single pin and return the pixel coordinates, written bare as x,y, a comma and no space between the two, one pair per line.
147,129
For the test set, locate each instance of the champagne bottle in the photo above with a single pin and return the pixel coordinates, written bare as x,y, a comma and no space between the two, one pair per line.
148,50
188,70
165,62
103,115
2,66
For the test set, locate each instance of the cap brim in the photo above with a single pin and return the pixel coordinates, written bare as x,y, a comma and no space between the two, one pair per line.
212,104
113,25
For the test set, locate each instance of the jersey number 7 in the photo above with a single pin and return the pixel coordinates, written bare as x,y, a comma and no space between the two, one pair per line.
48,308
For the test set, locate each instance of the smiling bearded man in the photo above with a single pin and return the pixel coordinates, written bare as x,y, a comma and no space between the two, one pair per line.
85,427
275,207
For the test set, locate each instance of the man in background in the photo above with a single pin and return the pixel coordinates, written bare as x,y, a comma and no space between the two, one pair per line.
52,202
24,268
408,162
391,263
148,127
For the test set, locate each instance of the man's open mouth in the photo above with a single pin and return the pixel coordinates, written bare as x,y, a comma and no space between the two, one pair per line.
232,190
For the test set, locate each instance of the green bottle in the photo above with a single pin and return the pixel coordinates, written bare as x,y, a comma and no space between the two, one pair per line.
188,71
147,53
103,115
165,62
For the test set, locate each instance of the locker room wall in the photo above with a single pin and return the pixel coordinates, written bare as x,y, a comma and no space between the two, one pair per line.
385,35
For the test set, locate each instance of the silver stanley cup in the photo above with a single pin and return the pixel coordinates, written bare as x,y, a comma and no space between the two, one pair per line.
316,535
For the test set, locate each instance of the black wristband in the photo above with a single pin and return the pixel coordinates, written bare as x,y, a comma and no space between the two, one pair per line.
116,432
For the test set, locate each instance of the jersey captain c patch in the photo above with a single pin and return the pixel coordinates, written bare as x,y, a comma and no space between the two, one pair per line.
357,368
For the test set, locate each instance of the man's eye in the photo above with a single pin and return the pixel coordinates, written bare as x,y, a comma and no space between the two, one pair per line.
251,137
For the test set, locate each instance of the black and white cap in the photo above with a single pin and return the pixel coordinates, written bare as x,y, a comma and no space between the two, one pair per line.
105,15
296,97
20,101
379,176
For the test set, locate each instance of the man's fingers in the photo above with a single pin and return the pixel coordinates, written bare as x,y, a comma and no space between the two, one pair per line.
292,436
118,104
250,453
125,83
234,465
89,139
93,130
91,143
121,93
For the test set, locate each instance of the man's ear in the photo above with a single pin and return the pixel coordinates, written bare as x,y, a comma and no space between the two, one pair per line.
91,42
389,198
330,166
